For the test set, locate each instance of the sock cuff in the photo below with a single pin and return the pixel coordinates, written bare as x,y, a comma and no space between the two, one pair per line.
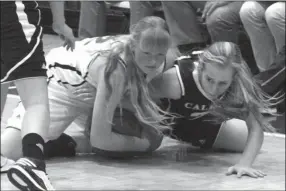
32,139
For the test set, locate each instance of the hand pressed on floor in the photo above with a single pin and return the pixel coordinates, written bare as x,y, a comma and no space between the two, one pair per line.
245,170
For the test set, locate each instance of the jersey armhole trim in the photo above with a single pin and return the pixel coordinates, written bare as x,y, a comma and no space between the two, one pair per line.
180,80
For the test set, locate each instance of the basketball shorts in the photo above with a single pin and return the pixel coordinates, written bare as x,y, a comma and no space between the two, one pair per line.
22,54
198,132
65,109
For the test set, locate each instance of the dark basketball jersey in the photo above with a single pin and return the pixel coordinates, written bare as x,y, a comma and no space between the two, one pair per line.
22,53
194,123
20,19
193,104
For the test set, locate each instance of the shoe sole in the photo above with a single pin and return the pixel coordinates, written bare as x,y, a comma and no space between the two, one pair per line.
22,174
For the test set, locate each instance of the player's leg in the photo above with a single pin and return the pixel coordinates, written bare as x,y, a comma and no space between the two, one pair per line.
63,110
62,114
229,136
23,57
4,92
232,136
92,20
139,10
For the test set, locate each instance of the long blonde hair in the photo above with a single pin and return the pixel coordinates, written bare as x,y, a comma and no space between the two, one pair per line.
244,94
147,111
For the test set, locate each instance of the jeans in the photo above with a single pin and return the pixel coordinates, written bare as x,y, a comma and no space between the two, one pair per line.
92,20
182,21
224,23
265,26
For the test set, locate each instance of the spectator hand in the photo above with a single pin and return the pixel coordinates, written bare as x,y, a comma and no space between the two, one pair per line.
244,170
210,6
66,34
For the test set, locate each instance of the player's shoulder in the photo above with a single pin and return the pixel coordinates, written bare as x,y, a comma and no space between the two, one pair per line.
184,62
105,39
183,59
103,43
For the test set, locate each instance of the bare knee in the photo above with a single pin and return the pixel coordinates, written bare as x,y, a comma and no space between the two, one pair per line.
232,136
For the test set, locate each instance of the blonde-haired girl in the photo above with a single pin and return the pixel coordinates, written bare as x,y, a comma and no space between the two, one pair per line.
219,102
106,77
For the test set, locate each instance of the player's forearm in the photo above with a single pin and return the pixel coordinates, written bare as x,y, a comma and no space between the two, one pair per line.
254,143
127,143
102,136
57,8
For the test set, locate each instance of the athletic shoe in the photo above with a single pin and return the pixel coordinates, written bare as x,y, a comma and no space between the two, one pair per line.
6,164
29,174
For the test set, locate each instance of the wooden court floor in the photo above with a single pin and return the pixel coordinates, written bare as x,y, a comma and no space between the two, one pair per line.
174,166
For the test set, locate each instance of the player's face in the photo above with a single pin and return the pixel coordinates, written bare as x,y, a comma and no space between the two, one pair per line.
150,56
215,79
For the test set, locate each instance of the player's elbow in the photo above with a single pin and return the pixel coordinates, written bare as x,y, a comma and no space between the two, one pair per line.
155,143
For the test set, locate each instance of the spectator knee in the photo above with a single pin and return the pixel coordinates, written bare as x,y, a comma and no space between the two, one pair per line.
275,13
250,12
220,19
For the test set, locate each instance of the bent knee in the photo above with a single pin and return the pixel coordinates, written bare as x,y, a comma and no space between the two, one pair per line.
221,16
275,14
251,11
232,136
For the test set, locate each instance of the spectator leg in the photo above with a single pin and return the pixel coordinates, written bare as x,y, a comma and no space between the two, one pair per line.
92,19
182,21
139,10
224,23
252,15
275,18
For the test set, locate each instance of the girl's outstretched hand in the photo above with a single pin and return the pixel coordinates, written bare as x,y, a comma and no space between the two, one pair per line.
245,170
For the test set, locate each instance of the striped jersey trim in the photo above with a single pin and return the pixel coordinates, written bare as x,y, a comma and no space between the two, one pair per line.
180,80
25,58
28,28
76,71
